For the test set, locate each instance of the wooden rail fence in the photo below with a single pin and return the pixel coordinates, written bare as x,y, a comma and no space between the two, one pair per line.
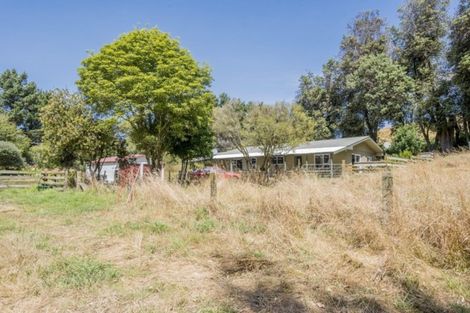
25,179
56,179
17,179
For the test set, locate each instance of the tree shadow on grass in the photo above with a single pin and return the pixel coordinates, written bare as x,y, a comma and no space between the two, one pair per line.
273,299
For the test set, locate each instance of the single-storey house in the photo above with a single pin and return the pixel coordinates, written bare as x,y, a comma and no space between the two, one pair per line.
314,155
110,166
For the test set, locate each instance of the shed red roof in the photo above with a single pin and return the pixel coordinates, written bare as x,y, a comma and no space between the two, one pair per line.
114,159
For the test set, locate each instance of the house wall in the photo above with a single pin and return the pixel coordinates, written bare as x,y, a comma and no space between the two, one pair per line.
108,172
362,149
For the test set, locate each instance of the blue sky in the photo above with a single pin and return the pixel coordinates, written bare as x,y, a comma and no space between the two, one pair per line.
257,49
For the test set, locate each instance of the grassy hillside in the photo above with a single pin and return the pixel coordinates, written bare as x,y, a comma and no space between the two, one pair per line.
302,245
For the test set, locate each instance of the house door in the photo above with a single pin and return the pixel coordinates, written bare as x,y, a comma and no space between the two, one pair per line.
298,161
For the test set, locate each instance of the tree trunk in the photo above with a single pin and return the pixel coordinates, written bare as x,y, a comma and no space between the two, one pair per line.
443,137
425,133
466,128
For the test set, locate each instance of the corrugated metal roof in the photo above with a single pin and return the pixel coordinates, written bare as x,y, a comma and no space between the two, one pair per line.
114,159
316,146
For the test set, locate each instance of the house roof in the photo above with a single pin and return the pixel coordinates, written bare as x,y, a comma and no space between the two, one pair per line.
317,146
114,159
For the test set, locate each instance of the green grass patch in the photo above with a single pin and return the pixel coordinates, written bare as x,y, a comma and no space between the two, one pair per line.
45,243
204,224
458,287
245,227
123,229
78,273
7,225
58,202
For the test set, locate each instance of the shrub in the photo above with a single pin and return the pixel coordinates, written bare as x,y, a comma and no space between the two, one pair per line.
407,154
407,138
41,156
10,156
9,132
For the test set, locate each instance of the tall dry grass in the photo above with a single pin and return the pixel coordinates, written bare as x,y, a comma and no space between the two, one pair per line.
303,244
329,236
430,219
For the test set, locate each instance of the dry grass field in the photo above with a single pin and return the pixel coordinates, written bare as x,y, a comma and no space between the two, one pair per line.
300,245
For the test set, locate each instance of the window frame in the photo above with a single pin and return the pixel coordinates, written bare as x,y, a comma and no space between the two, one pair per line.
354,156
277,158
254,164
323,164
235,163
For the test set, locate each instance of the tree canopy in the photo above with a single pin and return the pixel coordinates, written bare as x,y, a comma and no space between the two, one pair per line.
73,134
146,78
21,101
271,128
381,91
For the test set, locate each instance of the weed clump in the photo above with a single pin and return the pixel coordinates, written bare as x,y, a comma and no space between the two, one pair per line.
78,273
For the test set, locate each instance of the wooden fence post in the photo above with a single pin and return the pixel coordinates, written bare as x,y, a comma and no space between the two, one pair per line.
169,176
213,187
77,180
387,193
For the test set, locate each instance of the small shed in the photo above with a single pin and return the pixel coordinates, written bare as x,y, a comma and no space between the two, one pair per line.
110,166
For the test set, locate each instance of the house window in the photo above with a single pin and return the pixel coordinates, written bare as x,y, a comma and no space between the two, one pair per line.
322,161
253,163
237,165
278,160
355,158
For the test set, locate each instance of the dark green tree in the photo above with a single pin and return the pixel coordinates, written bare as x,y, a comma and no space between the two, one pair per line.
367,35
419,45
380,89
459,59
222,99
320,96
22,100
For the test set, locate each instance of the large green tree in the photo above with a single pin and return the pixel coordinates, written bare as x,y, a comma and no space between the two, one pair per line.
328,96
146,78
320,95
366,36
459,59
73,133
21,101
380,90
419,43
